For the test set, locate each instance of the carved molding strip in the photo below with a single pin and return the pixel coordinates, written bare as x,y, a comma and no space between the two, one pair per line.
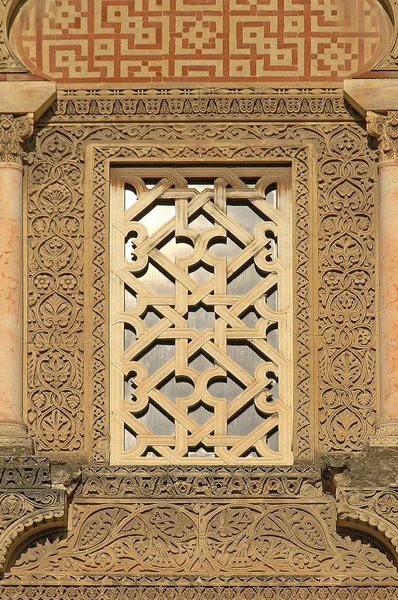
215,104
30,471
200,482
199,592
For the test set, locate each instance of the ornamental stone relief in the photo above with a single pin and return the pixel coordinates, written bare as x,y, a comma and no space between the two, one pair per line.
13,132
204,530
193,539
59,217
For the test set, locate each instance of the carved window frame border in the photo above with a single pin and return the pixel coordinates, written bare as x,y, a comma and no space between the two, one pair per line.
301,157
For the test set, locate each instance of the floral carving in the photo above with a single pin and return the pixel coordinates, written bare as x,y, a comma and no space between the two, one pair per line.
204,539
346,266
13,132
55,365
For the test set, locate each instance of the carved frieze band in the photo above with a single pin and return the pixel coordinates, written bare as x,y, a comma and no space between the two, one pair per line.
199,592
13,132
346,268
385,129
235,538
193,104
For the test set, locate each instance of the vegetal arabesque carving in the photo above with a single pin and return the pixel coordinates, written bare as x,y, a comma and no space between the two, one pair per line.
346,268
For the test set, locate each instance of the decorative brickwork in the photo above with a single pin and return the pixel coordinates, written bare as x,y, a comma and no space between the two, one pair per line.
190,41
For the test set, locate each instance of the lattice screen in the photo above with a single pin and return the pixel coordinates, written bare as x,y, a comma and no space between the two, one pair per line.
201,316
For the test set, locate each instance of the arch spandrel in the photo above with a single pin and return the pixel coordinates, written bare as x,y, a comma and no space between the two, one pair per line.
198,54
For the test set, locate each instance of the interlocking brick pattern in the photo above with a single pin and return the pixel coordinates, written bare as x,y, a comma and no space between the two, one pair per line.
198,40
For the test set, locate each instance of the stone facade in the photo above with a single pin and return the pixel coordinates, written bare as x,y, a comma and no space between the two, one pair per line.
93,89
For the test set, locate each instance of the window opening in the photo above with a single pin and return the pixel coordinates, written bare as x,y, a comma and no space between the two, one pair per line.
201,316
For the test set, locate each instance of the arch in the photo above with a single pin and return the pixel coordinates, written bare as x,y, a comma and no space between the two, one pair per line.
26,514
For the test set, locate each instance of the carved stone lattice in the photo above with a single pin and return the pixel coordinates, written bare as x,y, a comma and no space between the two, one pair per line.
201,293
345,277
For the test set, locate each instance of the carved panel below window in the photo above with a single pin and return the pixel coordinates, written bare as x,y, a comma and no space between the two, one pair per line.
201,323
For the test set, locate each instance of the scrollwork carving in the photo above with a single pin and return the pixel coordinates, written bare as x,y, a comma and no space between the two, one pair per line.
204,539
346,266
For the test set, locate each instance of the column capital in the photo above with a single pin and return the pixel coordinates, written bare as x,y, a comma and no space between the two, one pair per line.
13,132
385,129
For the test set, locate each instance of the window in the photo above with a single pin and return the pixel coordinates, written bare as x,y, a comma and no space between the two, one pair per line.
201,315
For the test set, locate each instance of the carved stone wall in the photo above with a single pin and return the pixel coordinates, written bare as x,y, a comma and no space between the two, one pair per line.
68,200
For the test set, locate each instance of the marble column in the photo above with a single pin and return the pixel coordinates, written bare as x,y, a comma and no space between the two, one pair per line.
13,433
385,129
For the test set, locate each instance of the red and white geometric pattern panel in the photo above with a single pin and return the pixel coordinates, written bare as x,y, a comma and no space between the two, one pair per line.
198,40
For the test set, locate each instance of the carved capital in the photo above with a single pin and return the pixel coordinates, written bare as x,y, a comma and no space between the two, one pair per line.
13,132
385,129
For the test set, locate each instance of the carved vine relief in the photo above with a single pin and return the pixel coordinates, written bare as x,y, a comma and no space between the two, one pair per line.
56,232
228,539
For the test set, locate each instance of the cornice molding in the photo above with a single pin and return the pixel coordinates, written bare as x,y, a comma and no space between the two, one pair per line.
221,104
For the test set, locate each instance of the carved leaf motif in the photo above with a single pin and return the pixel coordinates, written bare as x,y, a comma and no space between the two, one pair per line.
57,426
99,527
55,310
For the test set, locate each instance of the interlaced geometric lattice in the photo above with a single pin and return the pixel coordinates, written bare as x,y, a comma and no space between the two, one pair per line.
201,323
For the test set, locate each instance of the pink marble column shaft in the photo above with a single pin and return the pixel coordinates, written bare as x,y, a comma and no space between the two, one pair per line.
11,317
388,277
